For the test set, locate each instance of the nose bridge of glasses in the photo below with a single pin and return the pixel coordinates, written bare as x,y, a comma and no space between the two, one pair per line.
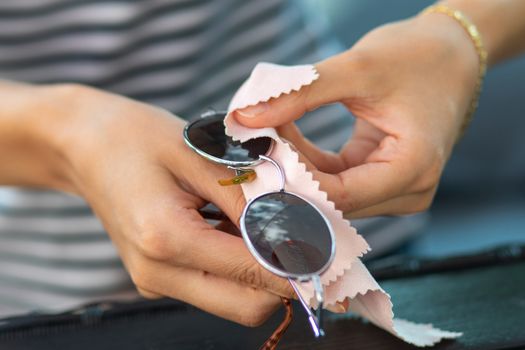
279,169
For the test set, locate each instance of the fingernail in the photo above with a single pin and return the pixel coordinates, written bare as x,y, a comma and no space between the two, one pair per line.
253,111
337,308
342,306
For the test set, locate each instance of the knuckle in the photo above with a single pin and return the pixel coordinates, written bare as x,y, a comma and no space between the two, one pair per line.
152,244
146,294
421,207
356,61
343,199
140,278
289,292
249,273
73,90
423,204
252,274
254,316
347,203
359,65
429,162
156,243
430,178
361,61
252,319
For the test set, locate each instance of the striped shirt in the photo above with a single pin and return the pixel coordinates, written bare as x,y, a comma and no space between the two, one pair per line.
182,55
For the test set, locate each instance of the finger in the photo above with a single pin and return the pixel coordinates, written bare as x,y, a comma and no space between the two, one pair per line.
363,186
405,205
147,294
216,295
221,254
339,306
365,139
385,174
324,161
172,230
184,169
200,177
229,227
328,88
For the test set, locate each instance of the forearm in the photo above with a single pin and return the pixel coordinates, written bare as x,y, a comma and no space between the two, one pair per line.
27,157
500,22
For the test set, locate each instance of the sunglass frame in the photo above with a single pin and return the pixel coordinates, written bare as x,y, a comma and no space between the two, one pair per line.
315,321
268,266
229,163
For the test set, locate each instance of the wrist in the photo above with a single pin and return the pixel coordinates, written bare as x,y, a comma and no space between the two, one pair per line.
447,38
477,16
476,40
27,148
448,32
500,23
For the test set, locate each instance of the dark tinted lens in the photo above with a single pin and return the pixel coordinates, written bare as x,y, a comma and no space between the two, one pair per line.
288,233
208,135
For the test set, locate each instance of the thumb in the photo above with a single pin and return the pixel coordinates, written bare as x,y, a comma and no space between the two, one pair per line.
286,108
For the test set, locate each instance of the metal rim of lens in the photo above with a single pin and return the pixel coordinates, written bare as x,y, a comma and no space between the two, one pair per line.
269,266
230,163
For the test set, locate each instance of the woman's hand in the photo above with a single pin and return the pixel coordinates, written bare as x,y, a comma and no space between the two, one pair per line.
409,84
129,161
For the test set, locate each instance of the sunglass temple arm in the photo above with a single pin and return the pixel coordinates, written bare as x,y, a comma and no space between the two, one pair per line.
315,321
319,296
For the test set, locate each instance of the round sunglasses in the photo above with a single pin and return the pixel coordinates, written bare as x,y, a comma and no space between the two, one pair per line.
287,234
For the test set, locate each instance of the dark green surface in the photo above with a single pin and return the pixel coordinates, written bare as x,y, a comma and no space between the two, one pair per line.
487,304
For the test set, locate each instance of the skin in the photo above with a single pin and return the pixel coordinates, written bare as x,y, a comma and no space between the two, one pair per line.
93,143
408,83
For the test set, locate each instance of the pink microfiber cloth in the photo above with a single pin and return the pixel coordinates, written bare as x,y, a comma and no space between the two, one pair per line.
347,277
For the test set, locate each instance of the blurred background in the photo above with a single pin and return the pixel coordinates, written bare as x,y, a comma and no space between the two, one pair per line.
481,199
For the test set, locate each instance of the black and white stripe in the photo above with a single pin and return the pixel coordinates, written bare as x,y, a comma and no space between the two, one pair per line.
182,55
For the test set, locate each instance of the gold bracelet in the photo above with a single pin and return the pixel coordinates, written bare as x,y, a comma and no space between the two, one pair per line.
475,36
